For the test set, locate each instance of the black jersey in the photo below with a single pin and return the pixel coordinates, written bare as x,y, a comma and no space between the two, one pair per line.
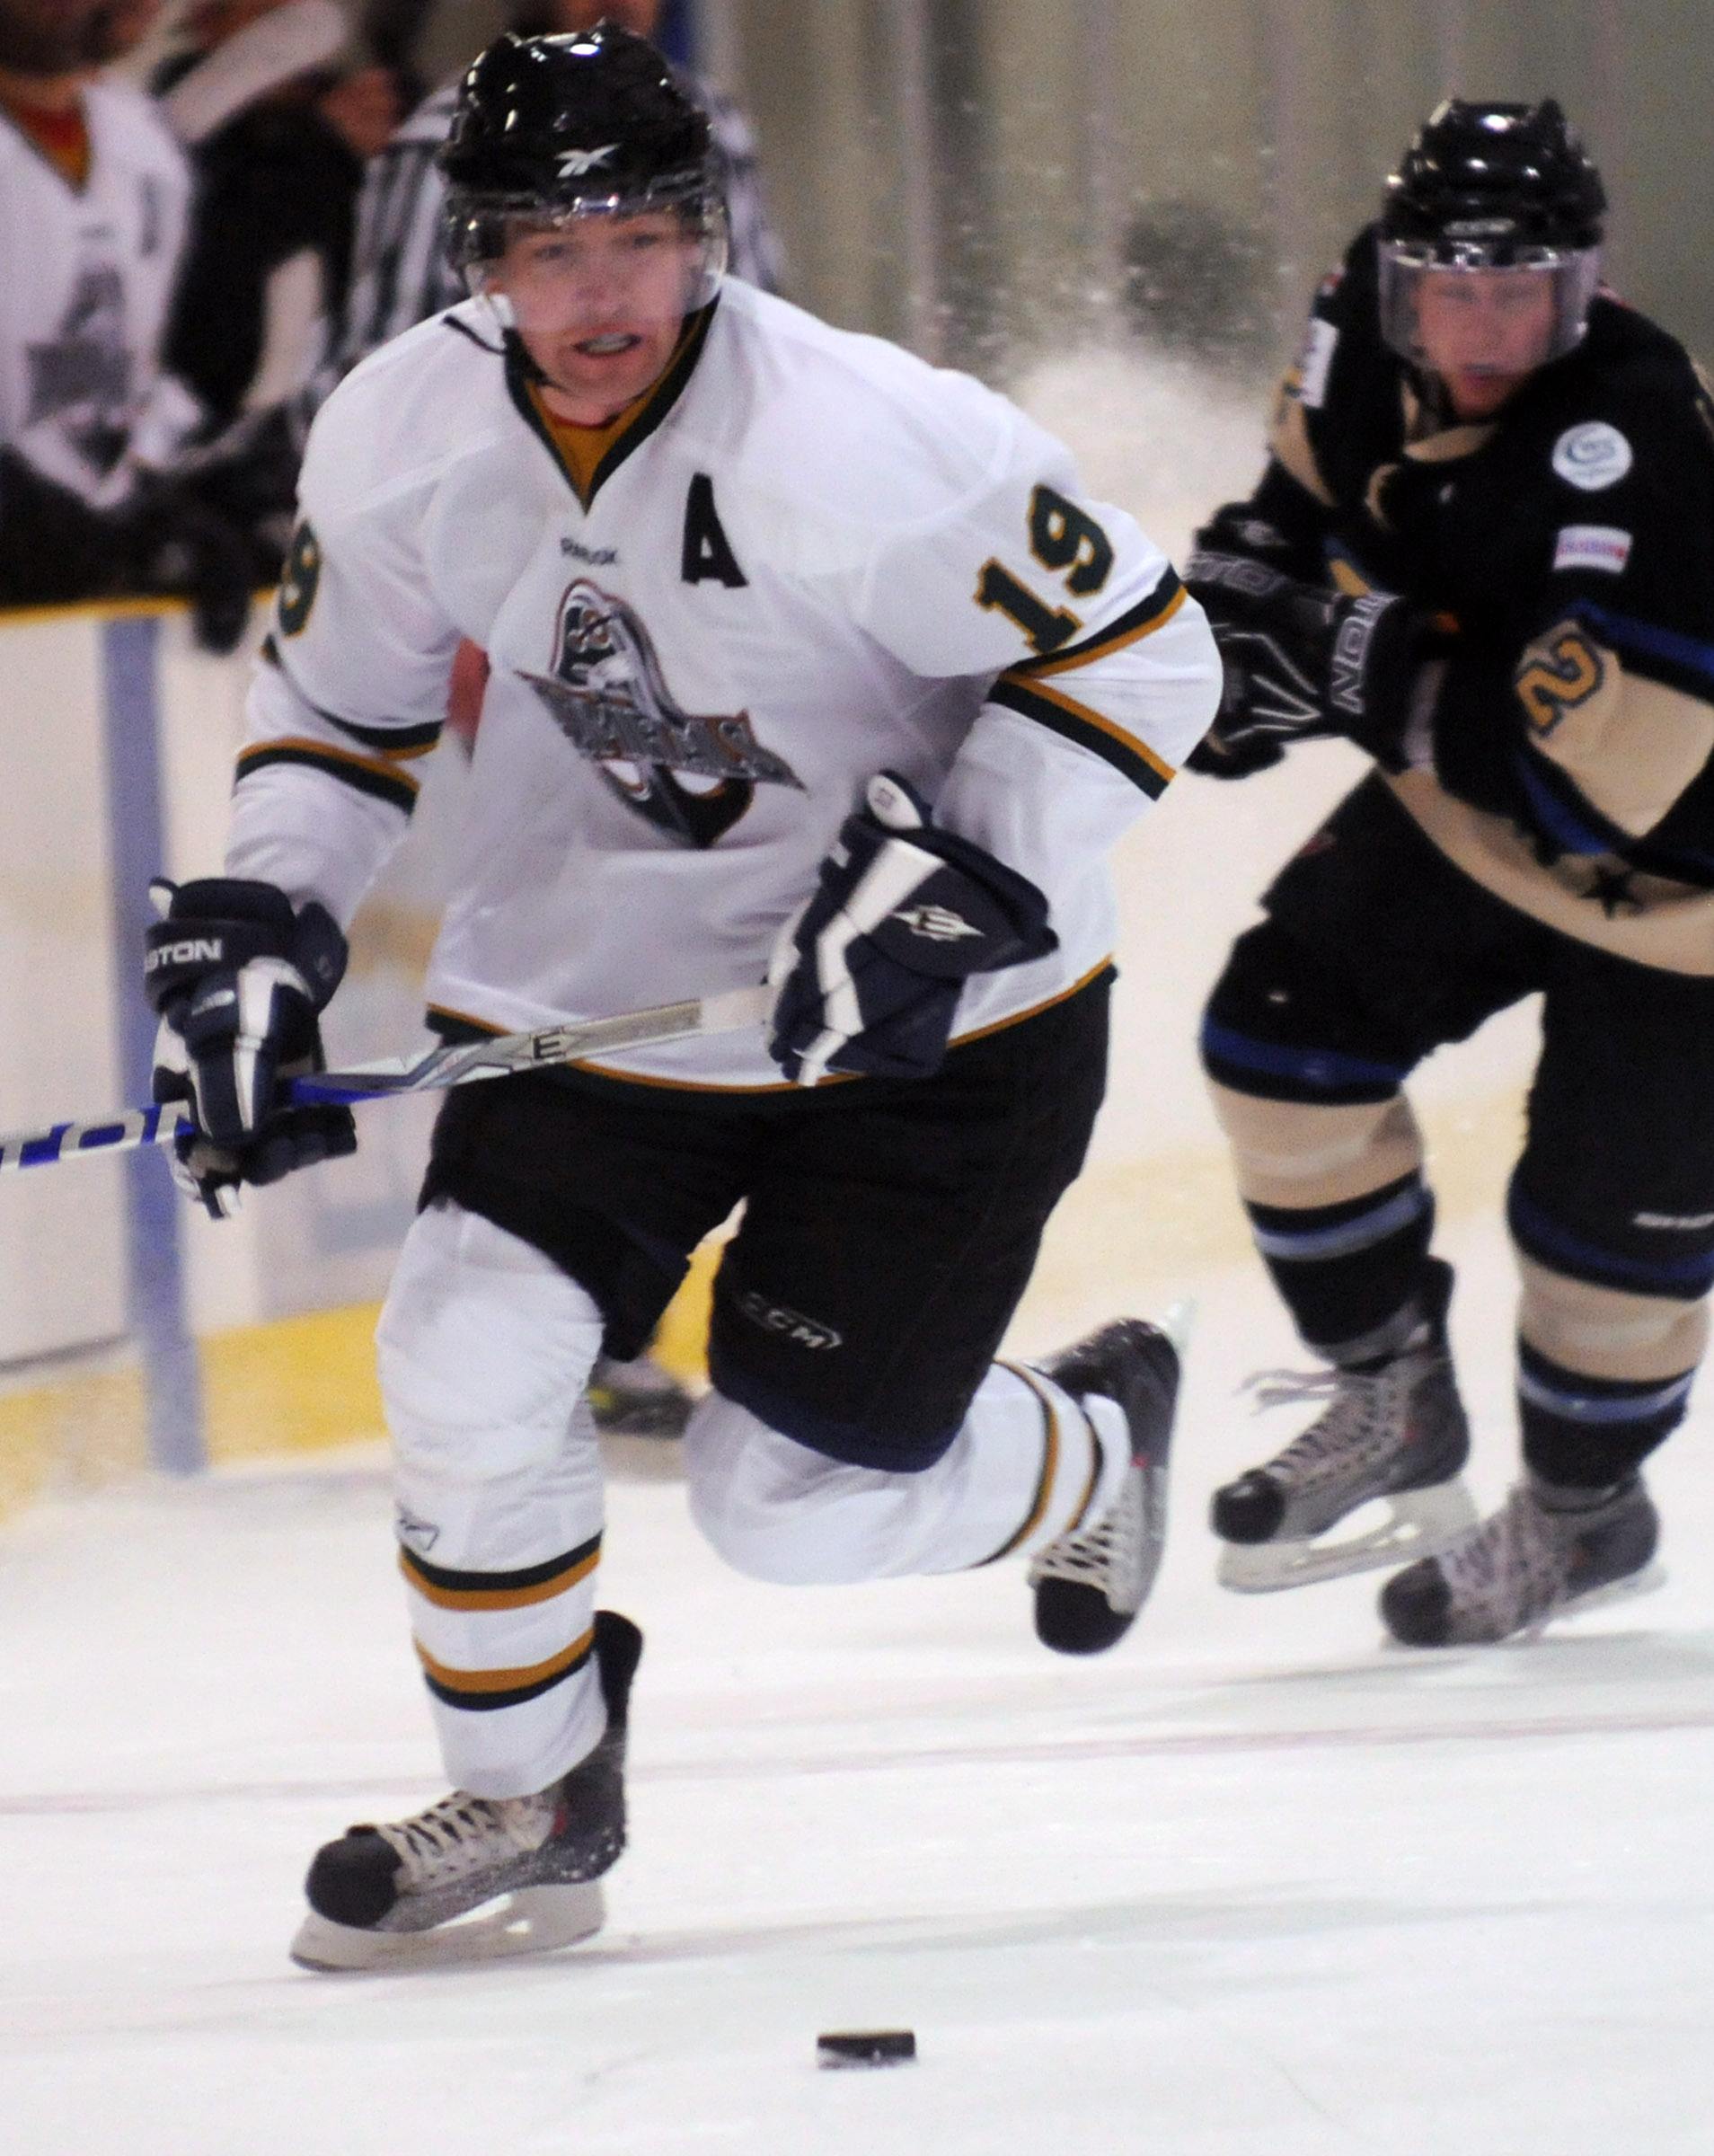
1562,745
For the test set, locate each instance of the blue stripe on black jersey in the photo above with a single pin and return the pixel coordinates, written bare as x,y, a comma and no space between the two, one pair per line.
1667,656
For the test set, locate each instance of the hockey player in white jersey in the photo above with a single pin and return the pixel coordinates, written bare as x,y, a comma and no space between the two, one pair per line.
805,659
96,498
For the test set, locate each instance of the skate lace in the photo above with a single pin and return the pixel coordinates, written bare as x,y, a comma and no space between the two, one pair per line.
462,1833
1358,1424
1094,1556
1514,1565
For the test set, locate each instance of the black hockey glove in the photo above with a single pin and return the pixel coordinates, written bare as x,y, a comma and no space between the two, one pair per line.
1302,663
869,972
54,549
239,978
186,548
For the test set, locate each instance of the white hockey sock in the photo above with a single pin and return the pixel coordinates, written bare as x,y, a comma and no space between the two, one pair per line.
1027,1466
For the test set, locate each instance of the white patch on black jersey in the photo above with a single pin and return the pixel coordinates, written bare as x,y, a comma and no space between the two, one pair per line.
1592,455
1593,546
1315,361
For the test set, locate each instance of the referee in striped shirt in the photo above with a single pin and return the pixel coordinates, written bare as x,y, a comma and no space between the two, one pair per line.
399,270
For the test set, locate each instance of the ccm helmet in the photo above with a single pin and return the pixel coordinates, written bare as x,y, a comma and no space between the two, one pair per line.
548,130
1493,187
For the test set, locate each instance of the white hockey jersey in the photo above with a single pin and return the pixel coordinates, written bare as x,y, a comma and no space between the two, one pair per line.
89,275
808,557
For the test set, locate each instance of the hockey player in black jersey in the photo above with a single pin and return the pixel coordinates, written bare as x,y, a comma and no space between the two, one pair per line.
1483,549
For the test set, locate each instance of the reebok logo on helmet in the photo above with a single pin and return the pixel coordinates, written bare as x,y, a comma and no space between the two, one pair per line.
575,163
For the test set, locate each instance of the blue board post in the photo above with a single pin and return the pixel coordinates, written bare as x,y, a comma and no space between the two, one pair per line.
154,1210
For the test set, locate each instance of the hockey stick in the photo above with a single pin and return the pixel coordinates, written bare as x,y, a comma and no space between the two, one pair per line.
453,1064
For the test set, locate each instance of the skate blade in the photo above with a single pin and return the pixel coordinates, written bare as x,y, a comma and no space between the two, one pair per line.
536,1919
1420,1522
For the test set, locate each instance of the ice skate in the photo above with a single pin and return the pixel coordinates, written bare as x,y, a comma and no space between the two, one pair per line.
1546,1552
475,1878
1089,1587
1394,1430
637,1399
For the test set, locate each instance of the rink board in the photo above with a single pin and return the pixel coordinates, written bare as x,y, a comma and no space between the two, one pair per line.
1156,1199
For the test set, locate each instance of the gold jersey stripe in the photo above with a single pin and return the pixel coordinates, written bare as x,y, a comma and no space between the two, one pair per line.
381,767
480,1681
1104,647
1134,743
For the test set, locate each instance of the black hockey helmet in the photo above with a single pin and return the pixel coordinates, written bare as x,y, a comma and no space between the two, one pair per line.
1509,179
1492,187
556,128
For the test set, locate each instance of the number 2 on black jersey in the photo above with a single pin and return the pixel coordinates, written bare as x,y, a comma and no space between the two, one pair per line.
1062,538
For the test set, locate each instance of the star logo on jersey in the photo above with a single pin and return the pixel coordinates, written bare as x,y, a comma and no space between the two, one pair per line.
693,776
574,164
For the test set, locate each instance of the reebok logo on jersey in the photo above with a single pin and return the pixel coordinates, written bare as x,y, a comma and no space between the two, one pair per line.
575,163
1593,546
939,924
774,1317
419,1534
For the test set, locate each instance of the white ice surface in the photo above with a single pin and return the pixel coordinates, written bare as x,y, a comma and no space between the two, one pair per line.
1252,1883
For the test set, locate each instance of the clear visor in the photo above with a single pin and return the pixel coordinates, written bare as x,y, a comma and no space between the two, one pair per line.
1472,314
614,261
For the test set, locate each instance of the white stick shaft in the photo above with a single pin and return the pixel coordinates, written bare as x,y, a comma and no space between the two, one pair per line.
504,1056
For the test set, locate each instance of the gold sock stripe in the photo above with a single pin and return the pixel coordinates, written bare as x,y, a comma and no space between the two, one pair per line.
1096,1457
520,1597
1049,1465
482,1687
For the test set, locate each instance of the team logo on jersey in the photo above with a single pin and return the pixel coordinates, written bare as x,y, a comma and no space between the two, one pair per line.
692,776
1592,455
575,163
81,380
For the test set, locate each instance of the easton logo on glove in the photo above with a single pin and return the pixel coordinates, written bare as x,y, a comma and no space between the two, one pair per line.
1348,672
205,950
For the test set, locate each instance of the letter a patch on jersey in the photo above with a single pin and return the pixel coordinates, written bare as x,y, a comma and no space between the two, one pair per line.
708,552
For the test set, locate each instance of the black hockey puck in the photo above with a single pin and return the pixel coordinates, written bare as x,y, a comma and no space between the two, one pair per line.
866,2048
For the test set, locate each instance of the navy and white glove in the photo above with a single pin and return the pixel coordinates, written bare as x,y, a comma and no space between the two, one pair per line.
1300,664
240,978
869,971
